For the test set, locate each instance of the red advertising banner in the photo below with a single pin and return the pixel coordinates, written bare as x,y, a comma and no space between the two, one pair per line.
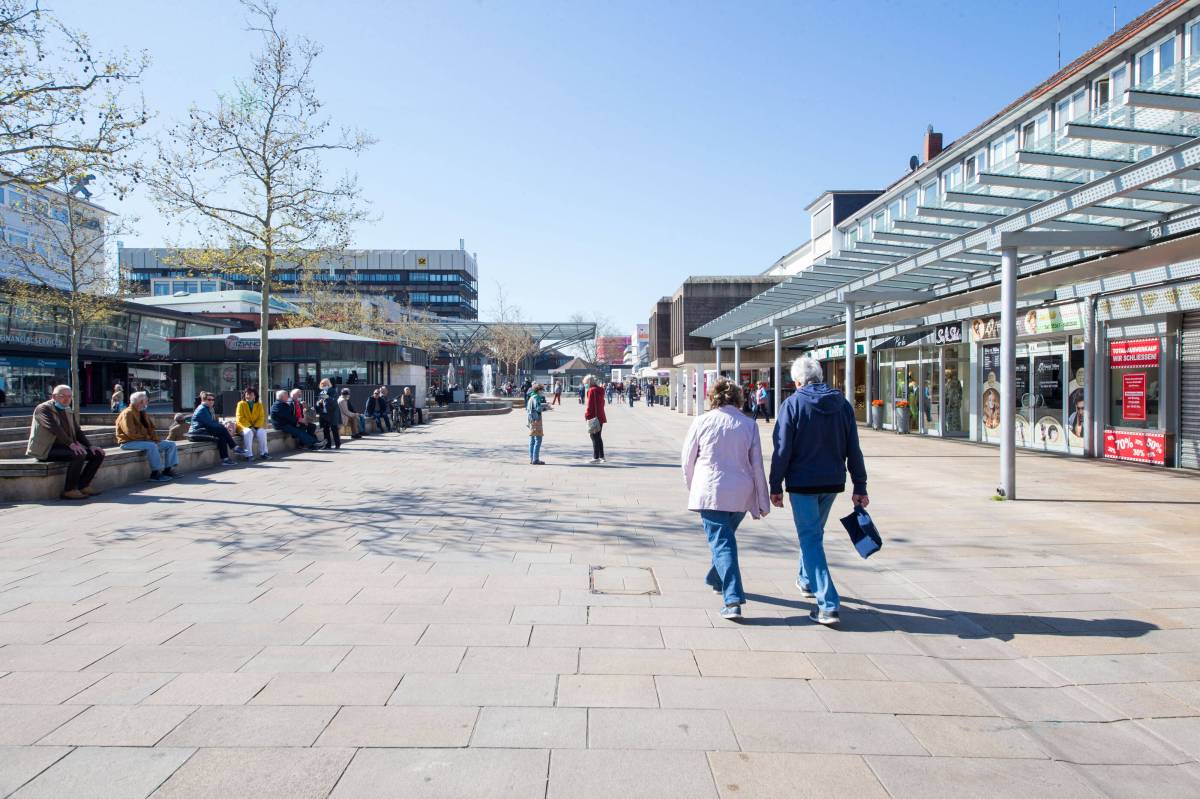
1133,352
1135,445
1133,396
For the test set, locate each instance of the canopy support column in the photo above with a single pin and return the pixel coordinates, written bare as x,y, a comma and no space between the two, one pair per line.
717,347
849,383
1008,372
737,362
778,369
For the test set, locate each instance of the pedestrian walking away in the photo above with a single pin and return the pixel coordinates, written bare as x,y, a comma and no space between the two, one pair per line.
557,393
54,435
534,407
593,414
723,471
815,443
762,403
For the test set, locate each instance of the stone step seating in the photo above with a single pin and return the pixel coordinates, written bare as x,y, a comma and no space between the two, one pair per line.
23,479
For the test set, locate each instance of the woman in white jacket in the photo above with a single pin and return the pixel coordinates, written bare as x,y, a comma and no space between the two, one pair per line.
723,469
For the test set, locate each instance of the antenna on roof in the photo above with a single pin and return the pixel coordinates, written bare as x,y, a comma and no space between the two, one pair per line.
1060,34
1114,16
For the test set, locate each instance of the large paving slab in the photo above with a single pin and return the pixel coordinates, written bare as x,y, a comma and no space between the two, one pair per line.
413,616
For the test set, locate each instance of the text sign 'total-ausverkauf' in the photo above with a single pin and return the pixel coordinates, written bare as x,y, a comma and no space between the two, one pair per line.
1134,352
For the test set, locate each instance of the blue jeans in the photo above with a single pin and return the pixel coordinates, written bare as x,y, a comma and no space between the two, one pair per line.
535,448
303,436
725,574
810,511
161,454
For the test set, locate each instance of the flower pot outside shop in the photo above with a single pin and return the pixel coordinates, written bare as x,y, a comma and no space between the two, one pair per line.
903,420
877,417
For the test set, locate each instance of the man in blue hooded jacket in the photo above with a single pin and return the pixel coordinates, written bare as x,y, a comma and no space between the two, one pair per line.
816,442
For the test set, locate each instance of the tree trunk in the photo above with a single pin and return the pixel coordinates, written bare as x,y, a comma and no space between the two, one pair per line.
73,374
264,324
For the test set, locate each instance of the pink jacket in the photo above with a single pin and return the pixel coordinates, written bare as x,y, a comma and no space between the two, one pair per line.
722,464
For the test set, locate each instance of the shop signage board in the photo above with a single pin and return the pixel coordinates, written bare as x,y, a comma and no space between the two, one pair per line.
239,343
948,334
1133,396
1138,446
1135,352
1031,322
34,363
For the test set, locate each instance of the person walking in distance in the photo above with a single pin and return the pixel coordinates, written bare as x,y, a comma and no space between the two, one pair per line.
593,414
557,393
762,403
534,407
815,443
723,471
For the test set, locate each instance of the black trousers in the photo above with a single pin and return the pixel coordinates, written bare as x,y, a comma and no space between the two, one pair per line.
80,468
332,436
222,439
597,443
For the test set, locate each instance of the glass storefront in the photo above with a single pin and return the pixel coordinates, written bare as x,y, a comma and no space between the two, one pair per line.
929,371
28,381
1048,395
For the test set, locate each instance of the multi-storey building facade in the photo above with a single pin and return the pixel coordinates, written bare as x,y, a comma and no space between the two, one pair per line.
1035,283
37,222
443,282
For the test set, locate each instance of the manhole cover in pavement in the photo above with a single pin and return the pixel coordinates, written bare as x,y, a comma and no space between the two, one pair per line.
632,580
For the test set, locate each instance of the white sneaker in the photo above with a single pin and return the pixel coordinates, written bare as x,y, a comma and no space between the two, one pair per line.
603,461
595,460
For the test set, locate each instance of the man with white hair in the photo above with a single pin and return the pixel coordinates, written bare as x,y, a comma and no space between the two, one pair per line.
55,436
816,441
135,431
283,417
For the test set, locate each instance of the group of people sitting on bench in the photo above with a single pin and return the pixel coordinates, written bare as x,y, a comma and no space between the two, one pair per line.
56,436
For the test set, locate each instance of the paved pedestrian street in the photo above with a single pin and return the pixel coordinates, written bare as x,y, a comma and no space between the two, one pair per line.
414,616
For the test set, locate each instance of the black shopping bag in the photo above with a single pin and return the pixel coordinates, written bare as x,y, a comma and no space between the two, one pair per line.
863,533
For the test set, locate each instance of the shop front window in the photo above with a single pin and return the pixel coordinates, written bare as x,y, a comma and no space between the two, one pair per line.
107,335
956,387
1135,381
345,372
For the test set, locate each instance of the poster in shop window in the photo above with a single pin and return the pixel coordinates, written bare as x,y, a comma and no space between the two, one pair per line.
1133,396
1076,404
990,394
1048,430
1025,399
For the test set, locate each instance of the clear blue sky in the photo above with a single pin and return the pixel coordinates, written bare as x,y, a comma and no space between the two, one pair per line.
594,154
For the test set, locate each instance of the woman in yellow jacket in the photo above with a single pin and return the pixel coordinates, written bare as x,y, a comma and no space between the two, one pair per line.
251,416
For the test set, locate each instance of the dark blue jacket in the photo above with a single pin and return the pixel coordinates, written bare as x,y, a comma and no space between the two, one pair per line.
203,422
816,439
282,413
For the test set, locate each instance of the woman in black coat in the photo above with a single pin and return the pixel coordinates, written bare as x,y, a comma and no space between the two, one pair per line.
329,415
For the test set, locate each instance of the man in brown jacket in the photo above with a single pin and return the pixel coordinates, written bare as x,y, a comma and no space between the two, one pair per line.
54,436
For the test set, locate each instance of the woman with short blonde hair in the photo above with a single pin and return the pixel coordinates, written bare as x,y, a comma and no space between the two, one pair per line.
723,470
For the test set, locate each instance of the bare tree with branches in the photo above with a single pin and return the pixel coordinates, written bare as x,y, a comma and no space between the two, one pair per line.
62,110
604,327
248,173
508,337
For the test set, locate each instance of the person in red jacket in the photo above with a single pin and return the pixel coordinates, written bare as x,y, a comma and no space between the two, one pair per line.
593,409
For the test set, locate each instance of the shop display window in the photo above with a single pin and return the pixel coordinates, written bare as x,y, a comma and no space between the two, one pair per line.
1135,381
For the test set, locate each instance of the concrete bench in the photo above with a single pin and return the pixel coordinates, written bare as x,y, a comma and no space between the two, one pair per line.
27,480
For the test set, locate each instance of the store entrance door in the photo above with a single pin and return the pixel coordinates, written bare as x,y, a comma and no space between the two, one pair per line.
1041,396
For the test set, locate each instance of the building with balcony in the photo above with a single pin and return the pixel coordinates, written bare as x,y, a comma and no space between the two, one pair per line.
1035,283
442,282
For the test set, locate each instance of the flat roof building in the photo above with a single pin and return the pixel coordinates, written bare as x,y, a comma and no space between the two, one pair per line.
442,282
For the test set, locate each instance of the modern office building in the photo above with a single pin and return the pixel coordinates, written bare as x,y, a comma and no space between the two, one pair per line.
1035,283
443,282
36,220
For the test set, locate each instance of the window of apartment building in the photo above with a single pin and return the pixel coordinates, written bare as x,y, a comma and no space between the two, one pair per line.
1070,108
929,194
910,204
16,199
1193,36
973,165
208,285
952,178
894,211
851,238
1034,130
1004,148
161,289
879,221
1111,88
1158,58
